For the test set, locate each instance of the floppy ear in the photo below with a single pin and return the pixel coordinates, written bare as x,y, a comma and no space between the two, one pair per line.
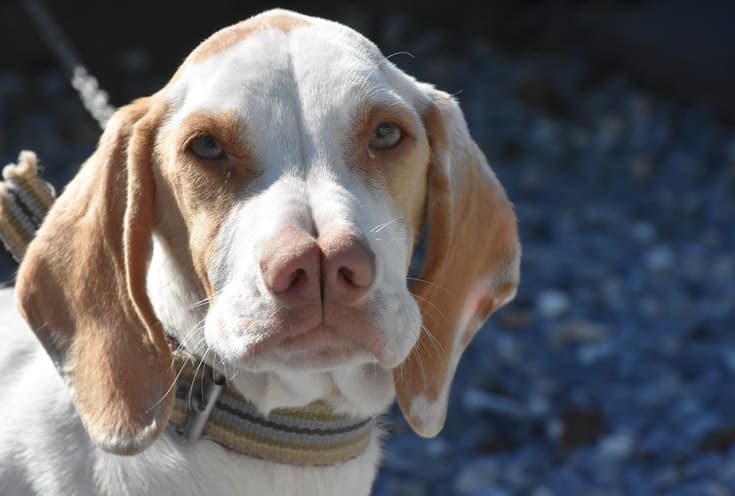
471,266
82,288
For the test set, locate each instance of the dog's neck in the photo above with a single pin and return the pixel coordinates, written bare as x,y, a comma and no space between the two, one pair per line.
207,406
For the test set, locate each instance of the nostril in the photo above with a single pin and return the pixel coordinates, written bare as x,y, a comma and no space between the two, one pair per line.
290,270
298,278
347,276
348,269
358,277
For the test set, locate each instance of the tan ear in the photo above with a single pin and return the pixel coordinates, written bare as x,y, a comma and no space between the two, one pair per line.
471,266
81,287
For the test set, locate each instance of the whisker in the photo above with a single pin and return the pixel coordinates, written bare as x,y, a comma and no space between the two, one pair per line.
420,361
197,304
197,327
429,283
196,372
439,350
432,305
382,226
405,238
204,300
170,388
387,58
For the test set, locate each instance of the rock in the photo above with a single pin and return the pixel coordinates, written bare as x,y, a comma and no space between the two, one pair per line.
438,448
665,478
393,486
515,319
644,232
490,491
541,491
616,447
581,426
591,353
659,258
478,400
538,405
478,474
552,303
578,331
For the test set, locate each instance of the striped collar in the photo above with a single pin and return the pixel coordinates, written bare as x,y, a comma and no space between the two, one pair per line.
206,407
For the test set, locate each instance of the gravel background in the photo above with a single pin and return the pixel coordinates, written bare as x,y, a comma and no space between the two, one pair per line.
612,371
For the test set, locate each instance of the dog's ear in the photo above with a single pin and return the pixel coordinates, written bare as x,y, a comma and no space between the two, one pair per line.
82,288
471,266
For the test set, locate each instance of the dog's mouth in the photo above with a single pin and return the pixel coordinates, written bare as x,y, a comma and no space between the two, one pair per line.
314,337
319,347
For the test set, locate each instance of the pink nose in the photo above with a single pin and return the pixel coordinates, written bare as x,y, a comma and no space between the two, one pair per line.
299,270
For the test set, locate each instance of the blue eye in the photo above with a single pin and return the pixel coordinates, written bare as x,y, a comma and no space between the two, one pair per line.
386,135
206,148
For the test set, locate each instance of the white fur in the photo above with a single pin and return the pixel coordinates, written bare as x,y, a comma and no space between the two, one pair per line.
45,450
296,92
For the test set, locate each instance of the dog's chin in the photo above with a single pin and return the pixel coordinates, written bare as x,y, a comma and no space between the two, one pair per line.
322,358
348,379
348,366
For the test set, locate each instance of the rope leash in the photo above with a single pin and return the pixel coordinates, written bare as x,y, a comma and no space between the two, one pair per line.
94,99
25,198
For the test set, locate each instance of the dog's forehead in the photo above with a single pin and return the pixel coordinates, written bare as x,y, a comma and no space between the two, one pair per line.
296,85
280,20
272,54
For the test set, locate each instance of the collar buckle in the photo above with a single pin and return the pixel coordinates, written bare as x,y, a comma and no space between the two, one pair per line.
200,408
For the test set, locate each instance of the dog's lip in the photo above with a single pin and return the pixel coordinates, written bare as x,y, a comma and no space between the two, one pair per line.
321,343
319,337
318,354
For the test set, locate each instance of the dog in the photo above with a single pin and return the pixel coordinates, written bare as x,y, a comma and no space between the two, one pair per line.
218,300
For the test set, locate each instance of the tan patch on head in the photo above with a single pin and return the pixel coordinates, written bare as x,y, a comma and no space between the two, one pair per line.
196,195
229,36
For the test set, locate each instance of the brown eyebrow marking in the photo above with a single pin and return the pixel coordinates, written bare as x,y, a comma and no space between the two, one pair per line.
225,127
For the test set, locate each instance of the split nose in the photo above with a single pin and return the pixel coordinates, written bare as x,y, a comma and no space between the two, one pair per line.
299,270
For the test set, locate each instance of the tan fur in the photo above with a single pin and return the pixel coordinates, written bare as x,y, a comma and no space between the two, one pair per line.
225,38
402,169
471,239
202,191
81,286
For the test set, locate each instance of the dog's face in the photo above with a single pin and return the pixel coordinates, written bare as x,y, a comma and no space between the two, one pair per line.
284,175
319,190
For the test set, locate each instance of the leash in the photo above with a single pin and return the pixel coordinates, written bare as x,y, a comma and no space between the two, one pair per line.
24,196
94,99
25,199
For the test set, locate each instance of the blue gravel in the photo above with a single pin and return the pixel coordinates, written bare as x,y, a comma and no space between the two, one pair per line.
612,373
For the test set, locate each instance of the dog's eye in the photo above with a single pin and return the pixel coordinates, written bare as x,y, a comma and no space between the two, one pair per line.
386,135
206,148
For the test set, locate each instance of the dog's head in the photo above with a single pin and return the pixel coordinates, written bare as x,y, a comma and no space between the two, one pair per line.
285,174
